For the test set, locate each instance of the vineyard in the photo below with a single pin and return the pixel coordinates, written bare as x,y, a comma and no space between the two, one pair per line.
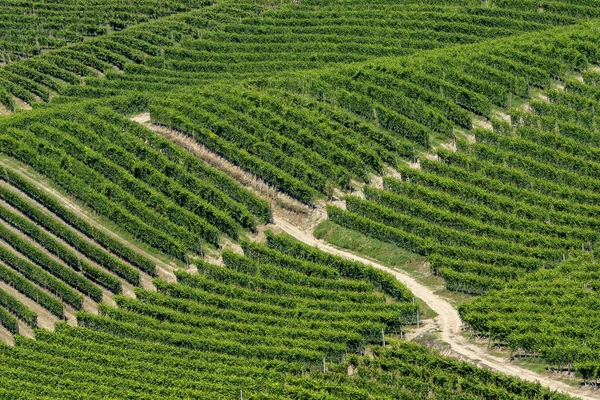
151,152
275,323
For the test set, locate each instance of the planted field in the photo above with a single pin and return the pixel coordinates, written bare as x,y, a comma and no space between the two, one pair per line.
29,28
281,322
137,142
563,304
56,258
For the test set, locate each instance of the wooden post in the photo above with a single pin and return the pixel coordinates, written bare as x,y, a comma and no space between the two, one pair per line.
187,260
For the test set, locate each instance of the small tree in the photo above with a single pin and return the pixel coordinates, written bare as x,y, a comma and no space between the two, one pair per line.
329,190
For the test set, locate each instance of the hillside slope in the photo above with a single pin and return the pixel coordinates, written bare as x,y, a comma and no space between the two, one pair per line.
464,131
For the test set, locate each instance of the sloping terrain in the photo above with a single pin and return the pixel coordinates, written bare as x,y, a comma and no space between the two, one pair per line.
464,131
281,327
32,27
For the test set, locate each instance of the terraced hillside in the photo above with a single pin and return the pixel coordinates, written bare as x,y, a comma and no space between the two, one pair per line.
161,195
30,28
233,41
563,304
281,327
463,131
508,201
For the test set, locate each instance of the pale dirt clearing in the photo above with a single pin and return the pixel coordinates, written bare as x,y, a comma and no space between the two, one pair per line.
4,111
414,165
25,330
450,145
6,336
431,156
22,105
392,172
376,181
501,115
481,122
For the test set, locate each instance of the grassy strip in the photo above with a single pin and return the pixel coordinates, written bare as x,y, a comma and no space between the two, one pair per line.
386,253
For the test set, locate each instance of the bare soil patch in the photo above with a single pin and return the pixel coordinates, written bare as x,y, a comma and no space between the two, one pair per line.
6,336
4,111
22,105
450,145
480,122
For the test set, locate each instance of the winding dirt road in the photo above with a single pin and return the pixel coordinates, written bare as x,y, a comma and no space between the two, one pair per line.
447,322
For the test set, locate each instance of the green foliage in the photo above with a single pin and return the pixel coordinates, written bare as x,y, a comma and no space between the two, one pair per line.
563,333
23,285
108,242
64,253
308,97
66,274
37,275
18,309
8,321
217,333
350,269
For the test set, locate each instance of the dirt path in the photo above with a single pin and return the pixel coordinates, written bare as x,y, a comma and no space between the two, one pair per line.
6,336
246,179
447,322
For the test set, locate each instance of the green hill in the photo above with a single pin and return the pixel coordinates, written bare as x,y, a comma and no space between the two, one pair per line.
463,131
